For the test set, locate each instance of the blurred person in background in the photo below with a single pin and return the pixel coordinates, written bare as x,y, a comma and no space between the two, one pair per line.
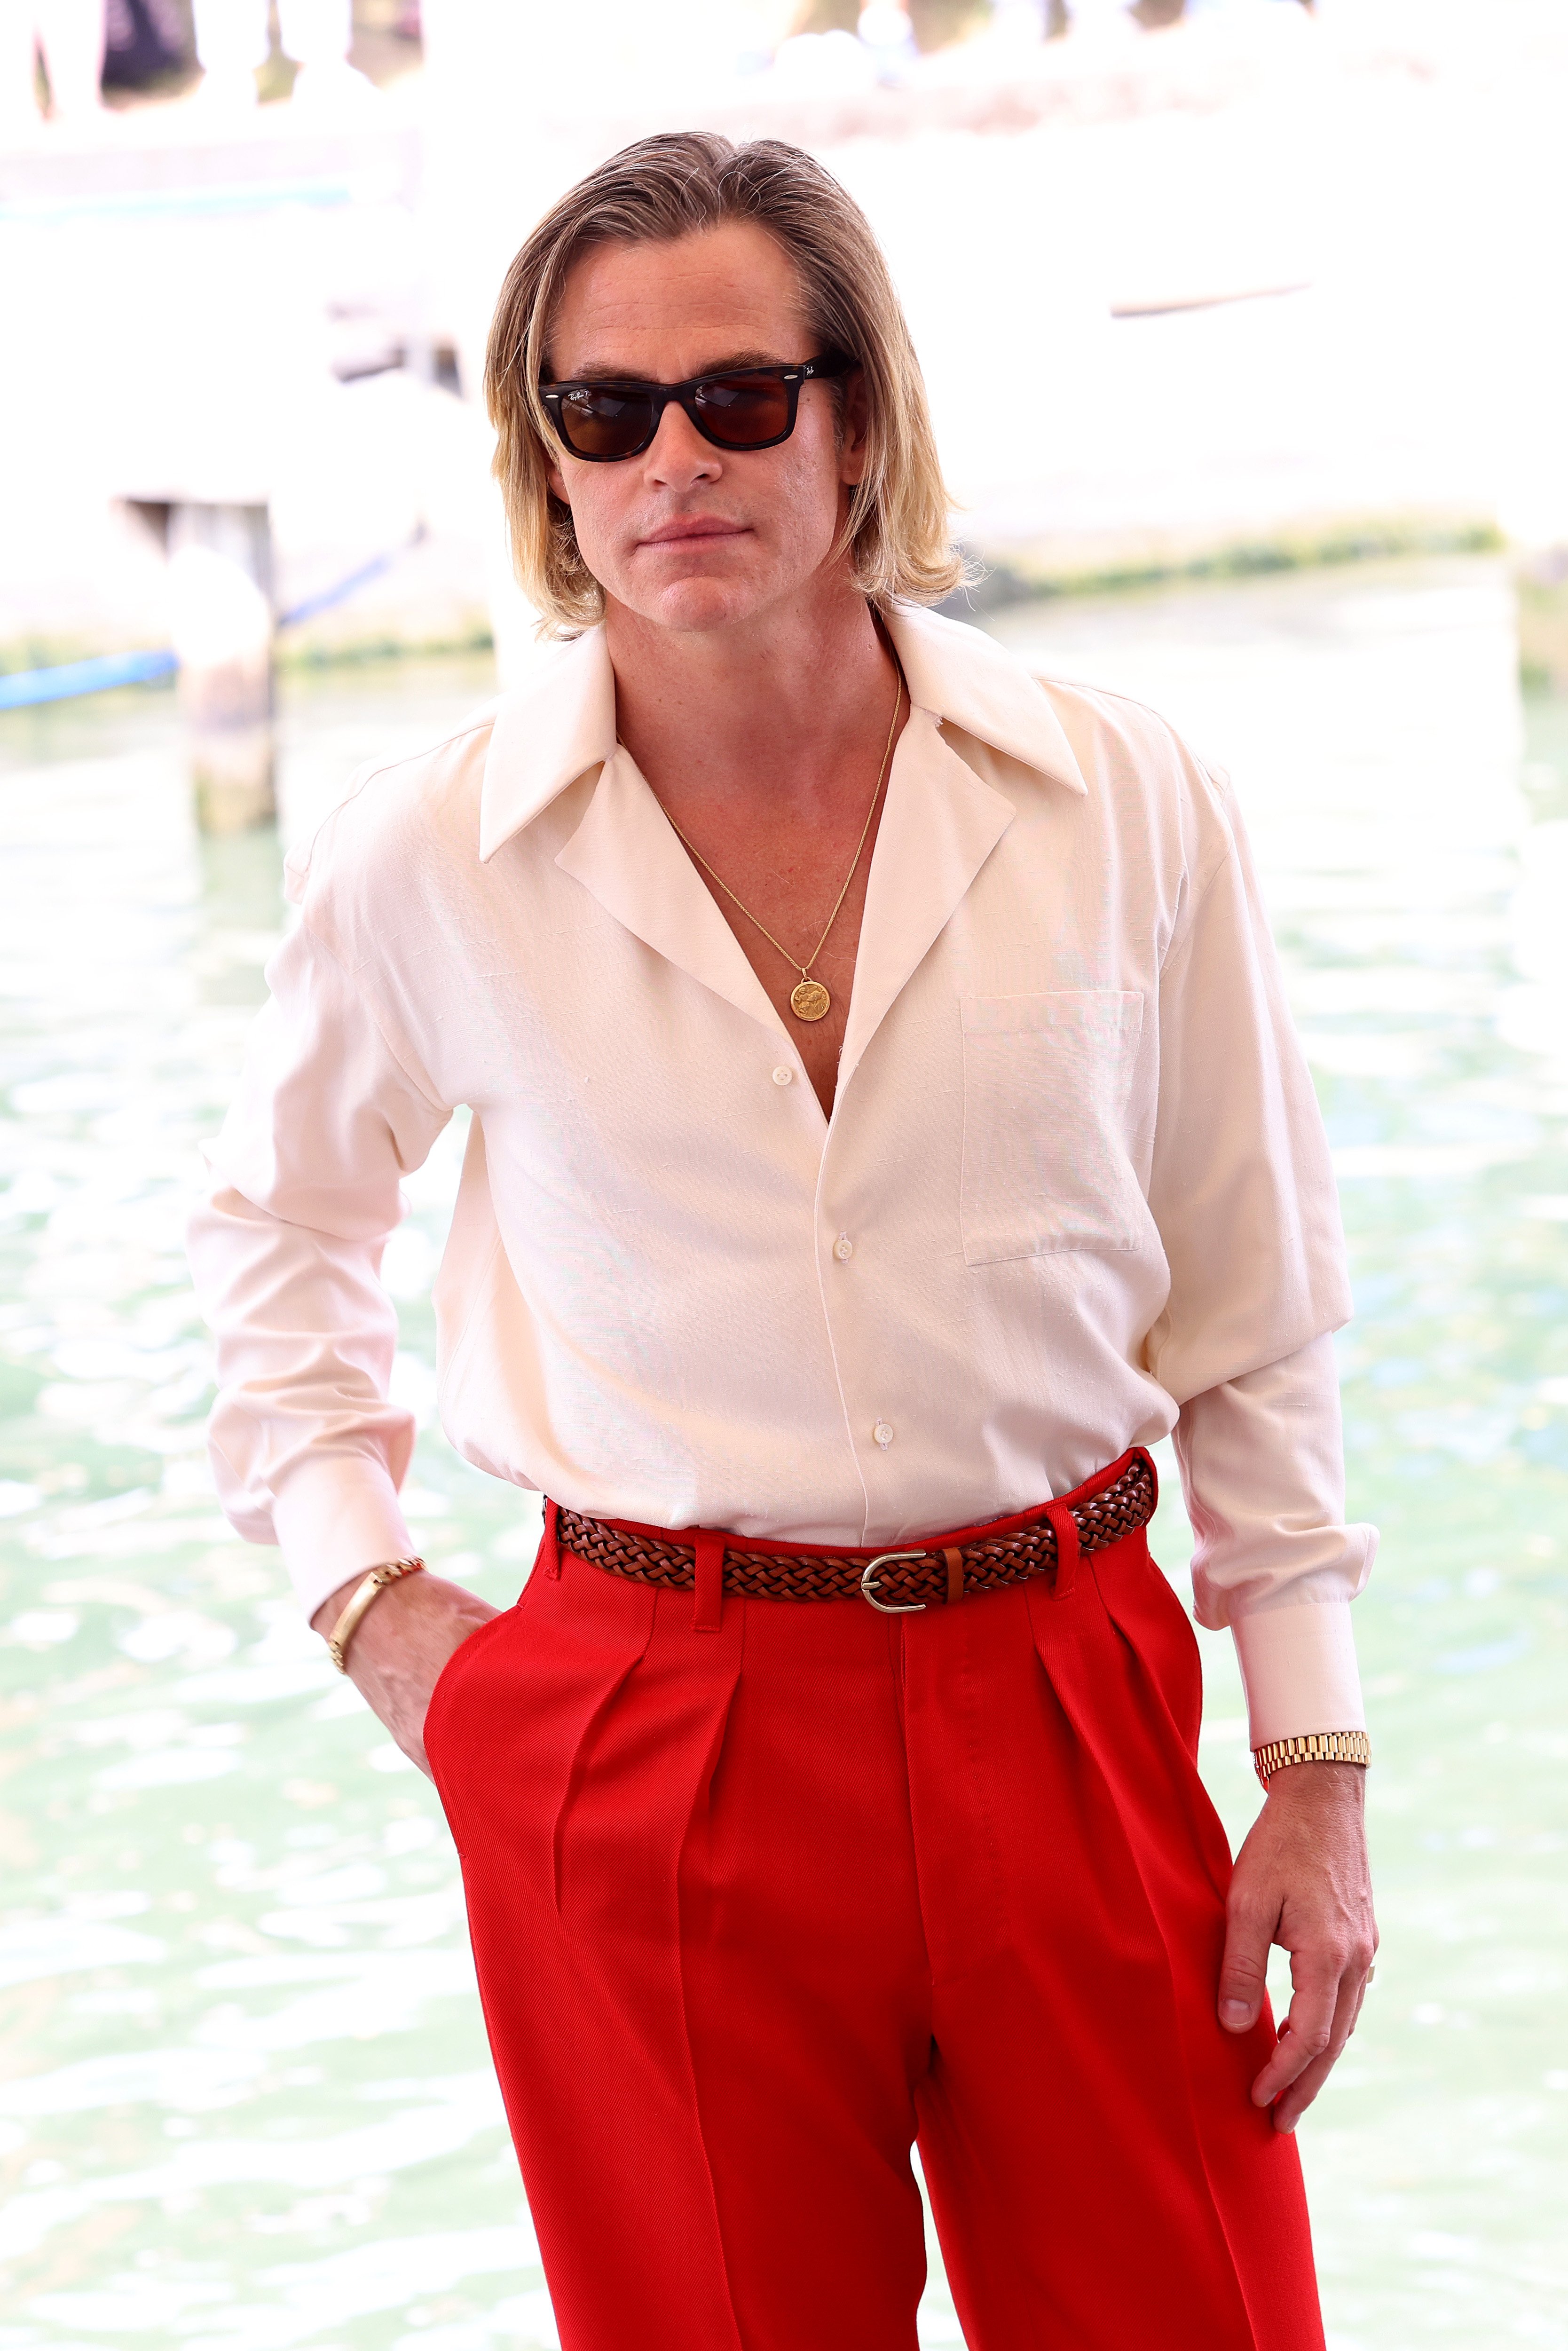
233,43
67,37
145,42
885,28
1152,15
885,1124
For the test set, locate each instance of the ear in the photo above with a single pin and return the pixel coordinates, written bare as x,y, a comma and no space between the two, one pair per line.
854,452
556,481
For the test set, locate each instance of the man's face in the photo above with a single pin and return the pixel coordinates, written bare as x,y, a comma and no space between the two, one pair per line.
688,535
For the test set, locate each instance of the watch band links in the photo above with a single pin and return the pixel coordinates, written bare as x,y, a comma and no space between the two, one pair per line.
1313,1747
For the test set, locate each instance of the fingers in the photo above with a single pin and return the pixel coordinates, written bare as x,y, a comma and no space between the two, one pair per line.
1243,1971
1322,2016
1289,2109
1300,1880
1305,2034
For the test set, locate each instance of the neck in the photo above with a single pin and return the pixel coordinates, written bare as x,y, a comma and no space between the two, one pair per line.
771,707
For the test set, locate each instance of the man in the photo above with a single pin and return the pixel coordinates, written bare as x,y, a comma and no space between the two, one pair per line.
885,1122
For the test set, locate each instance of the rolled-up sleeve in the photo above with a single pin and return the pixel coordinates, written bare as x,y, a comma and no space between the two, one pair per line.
1243,1193
1262,1464
286,1249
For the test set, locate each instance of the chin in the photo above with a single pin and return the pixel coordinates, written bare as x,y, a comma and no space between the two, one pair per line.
700,604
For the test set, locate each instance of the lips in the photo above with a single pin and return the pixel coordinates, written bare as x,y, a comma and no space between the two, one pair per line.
691,529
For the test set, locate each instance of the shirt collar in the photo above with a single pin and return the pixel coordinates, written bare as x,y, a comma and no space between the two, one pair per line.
966,678
560,722
548,731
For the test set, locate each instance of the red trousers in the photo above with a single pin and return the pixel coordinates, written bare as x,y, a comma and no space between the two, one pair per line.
756,1907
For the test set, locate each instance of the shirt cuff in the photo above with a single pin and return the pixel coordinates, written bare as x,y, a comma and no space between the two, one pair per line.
337,1516
1299,1669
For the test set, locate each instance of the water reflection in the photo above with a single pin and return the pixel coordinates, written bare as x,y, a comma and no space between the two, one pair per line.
246,2099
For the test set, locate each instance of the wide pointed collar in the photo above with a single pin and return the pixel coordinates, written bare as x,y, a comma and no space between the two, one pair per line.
560,722
547,732
967,679
939,824
628,855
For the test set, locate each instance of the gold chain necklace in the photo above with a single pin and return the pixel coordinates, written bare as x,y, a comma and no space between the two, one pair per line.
809,998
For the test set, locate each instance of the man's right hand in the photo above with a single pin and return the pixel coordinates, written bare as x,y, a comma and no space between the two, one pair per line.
401,1644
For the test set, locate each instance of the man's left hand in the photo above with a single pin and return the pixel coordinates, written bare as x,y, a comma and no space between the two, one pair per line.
1301,1880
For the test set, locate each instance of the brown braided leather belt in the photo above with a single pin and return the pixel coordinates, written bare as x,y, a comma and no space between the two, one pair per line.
891,1580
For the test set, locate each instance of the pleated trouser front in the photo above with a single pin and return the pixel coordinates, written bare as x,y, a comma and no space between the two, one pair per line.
754,1909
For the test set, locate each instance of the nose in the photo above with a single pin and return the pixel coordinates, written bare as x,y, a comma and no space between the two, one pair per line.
678,455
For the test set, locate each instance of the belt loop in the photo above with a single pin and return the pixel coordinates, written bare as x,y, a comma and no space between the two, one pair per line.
955,1560
1066,1528
549,1557
709,1607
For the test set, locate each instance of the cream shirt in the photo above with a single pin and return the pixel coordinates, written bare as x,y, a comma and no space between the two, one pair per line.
1074,1192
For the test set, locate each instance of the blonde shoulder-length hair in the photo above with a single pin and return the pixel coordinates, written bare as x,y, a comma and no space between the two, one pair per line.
678,185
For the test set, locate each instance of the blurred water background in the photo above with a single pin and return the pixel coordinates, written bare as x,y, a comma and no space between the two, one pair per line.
1278,295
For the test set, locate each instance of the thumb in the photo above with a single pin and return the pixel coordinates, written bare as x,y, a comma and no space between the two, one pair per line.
1243,1971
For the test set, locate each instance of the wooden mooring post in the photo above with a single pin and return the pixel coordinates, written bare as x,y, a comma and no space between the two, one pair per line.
221,609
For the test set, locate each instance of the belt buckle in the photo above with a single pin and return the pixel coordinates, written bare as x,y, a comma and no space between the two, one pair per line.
890,1607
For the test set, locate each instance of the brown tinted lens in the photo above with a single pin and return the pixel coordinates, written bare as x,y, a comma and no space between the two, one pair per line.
744,410
599,420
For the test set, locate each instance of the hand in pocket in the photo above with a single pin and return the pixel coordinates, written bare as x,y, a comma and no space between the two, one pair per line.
402,1645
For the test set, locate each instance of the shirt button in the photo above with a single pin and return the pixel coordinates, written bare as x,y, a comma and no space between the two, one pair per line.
783,1077
843,1248
883,1434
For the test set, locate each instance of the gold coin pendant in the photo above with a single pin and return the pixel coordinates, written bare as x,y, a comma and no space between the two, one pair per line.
809,1000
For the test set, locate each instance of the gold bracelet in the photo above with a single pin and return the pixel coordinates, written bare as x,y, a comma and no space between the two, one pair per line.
379,1578
1313,1747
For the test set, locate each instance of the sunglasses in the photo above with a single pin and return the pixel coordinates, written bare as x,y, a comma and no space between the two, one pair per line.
744,408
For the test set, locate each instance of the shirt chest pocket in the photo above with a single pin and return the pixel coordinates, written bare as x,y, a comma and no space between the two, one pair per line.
1046,1083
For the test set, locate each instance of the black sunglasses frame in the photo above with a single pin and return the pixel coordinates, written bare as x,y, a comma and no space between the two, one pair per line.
830,364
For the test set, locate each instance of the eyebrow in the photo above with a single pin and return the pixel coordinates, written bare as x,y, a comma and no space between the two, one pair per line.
730,365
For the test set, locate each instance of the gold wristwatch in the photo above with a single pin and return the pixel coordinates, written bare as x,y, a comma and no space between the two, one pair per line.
1312,1746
